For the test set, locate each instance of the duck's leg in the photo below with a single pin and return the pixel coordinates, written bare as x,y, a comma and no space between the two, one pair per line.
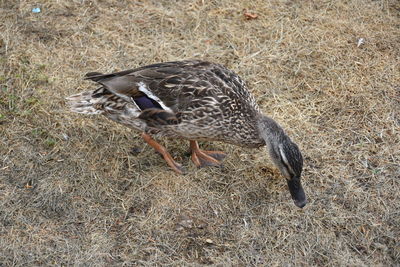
203,158
163,151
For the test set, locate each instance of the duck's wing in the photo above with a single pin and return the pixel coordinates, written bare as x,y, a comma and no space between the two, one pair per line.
161,83
193,91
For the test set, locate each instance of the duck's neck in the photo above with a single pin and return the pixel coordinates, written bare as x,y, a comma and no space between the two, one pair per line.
269,130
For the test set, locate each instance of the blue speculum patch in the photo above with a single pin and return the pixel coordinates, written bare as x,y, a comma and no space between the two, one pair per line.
145,102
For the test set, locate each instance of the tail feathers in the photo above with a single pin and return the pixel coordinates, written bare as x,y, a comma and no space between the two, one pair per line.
84,103
94,76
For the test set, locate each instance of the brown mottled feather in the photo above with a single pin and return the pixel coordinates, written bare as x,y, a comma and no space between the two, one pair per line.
213,102
194,100
157,117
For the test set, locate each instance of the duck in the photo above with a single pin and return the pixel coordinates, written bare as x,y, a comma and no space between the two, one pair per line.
193,100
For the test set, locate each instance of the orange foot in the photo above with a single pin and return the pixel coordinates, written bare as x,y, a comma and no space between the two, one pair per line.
203,158
163,151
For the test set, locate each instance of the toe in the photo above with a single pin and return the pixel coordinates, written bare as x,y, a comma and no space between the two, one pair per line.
218,155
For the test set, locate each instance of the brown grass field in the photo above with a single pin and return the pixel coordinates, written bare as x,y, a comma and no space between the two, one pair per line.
83,191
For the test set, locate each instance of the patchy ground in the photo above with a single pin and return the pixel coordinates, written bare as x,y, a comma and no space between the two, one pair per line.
78,190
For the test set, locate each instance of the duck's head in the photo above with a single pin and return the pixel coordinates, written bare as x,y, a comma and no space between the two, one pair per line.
287,157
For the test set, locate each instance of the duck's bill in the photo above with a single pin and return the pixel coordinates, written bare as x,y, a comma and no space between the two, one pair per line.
297,192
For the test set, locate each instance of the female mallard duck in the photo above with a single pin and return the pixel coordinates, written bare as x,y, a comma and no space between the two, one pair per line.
193,100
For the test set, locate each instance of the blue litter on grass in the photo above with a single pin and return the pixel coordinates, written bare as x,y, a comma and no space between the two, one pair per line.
36,10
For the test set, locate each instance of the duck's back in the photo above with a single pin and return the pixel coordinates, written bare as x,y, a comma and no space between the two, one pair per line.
214,103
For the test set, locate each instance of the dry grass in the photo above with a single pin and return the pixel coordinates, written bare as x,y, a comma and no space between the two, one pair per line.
73,193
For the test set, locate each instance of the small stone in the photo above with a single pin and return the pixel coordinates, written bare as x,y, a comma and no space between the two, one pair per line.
186,223
360,42
135,150
65,136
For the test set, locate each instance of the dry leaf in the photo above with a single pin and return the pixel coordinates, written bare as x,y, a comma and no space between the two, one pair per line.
249,15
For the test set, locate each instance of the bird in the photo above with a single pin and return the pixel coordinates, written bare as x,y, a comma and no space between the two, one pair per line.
193,100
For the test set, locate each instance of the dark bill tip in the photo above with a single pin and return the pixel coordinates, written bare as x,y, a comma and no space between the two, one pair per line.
300,204
297,192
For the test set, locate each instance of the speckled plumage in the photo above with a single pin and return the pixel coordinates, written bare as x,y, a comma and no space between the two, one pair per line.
209,101
193,100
